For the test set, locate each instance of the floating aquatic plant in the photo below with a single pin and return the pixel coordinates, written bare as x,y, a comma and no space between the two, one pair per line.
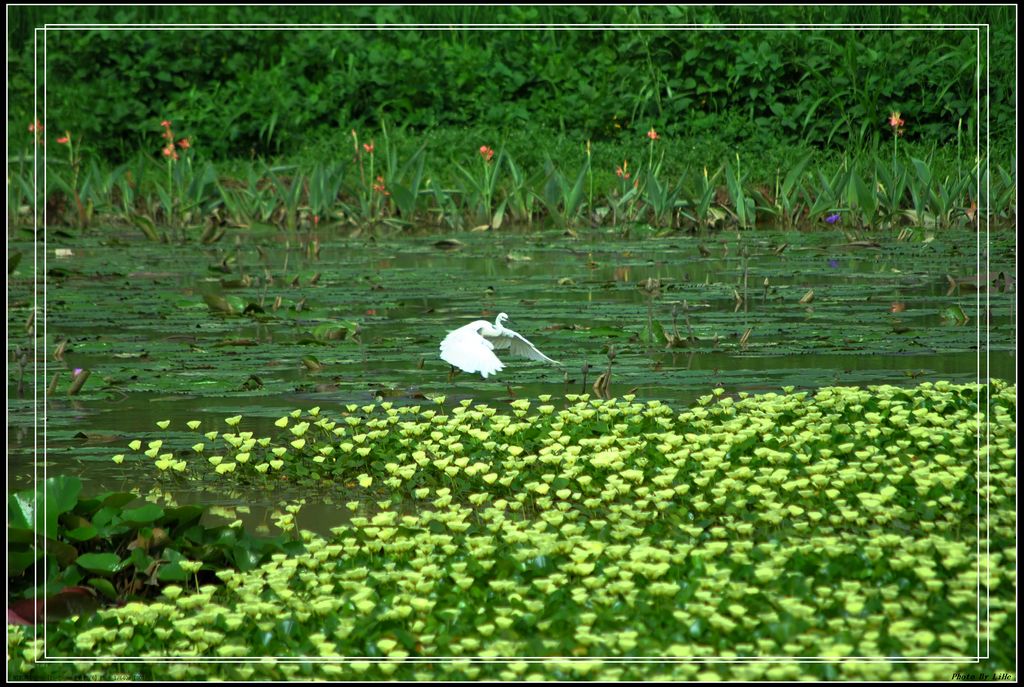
831,524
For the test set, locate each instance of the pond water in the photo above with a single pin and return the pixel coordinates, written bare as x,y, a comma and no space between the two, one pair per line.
751,311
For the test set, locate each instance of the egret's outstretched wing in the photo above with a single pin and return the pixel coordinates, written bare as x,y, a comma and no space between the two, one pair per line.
519,345
467,350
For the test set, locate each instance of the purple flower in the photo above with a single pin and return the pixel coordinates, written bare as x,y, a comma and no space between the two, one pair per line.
832,219
832,262
77,371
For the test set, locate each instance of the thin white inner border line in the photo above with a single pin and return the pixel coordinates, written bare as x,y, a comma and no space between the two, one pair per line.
518,27
977,243
988,367
35,307
530,27
705,27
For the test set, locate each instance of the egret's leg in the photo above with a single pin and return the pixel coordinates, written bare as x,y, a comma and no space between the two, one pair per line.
453,373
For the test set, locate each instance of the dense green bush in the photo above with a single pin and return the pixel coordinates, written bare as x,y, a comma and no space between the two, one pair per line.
263,92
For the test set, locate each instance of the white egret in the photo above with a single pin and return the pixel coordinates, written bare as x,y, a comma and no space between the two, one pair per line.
471,347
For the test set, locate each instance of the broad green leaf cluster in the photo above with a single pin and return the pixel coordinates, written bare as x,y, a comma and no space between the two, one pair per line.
114,547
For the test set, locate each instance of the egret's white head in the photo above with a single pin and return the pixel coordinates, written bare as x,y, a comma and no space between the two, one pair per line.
500,319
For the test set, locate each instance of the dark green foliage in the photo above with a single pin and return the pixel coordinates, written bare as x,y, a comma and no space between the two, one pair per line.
246,92
275,107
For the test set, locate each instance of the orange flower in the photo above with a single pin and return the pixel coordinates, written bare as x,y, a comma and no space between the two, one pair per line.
184,144
379,187
35,127
653,135
66,138
623,171
368,147
166,124
895,121
486,153
170,152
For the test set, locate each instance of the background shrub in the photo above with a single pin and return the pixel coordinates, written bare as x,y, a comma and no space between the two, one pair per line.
245,93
